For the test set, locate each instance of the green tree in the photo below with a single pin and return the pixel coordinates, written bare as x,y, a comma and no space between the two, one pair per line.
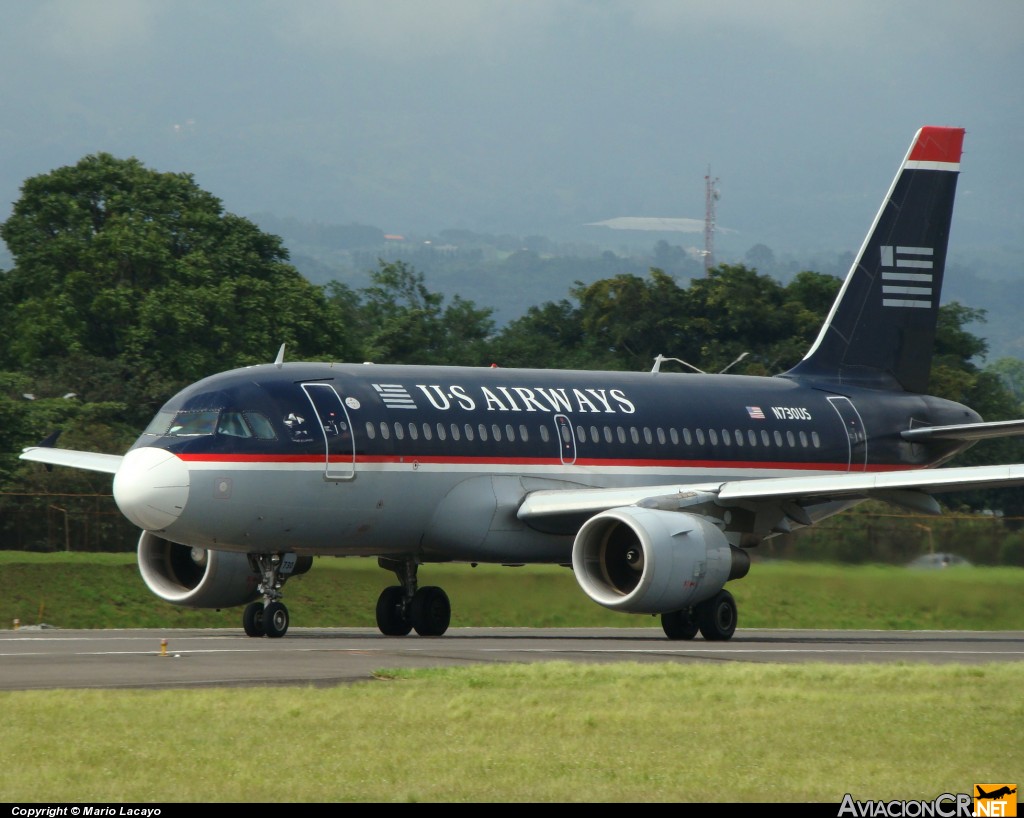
400,321
628,320
143,277
625,321
549,336
1010,372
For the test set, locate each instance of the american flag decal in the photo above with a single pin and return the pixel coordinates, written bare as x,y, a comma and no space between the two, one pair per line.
755,412
907,276
394,396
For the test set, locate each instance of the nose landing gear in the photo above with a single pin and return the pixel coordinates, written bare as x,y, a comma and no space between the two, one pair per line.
269,616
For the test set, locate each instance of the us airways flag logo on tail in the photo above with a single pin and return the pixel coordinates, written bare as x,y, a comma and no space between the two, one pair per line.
907,276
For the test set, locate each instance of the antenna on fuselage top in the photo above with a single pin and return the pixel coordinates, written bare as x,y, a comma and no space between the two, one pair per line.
280,357
661,358
730,366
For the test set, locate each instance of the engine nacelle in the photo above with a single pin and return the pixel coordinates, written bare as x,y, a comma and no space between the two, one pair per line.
198,577
643,560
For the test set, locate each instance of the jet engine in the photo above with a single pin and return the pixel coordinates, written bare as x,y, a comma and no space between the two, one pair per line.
642,560
198,577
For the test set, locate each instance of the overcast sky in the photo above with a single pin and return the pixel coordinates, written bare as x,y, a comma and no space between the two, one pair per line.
528,116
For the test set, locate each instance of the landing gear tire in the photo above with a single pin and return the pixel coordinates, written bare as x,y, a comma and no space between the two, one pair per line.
252,619
275,620
680,624
716,617
391,616
431,611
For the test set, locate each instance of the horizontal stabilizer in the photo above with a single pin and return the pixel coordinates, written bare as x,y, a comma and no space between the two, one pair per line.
966,431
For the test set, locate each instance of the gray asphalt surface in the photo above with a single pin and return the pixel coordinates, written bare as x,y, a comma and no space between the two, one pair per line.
45,658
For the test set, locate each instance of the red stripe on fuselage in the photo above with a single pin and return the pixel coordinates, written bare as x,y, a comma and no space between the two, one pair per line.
256,459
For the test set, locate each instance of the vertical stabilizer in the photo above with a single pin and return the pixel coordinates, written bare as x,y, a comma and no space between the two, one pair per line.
881,329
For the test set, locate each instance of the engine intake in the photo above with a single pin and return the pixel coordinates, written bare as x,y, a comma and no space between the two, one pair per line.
198,577
641,560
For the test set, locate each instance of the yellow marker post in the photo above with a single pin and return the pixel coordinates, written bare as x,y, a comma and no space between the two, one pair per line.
17,624
163,647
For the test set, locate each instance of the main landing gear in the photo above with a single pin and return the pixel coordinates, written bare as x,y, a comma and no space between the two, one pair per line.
401,608
269,617
715,618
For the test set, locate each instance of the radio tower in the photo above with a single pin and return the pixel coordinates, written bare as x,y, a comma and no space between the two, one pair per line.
710,197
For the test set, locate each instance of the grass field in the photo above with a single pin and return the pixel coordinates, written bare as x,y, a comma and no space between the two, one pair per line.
105,591
553,732
546,732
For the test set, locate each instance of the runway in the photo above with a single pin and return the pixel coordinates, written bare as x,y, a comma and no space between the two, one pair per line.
43,659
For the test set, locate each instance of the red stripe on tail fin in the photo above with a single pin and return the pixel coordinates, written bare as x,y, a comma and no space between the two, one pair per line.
938,145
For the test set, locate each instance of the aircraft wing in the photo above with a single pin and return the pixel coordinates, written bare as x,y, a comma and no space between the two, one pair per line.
966,431
911,487
91,461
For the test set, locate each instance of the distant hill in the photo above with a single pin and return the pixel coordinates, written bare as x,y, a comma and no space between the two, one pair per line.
510,274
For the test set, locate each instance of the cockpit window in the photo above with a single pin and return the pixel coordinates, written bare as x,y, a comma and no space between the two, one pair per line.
191,424
261,426
233,424
160,424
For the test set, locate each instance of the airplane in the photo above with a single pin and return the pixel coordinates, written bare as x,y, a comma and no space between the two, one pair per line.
653,487
1002,792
